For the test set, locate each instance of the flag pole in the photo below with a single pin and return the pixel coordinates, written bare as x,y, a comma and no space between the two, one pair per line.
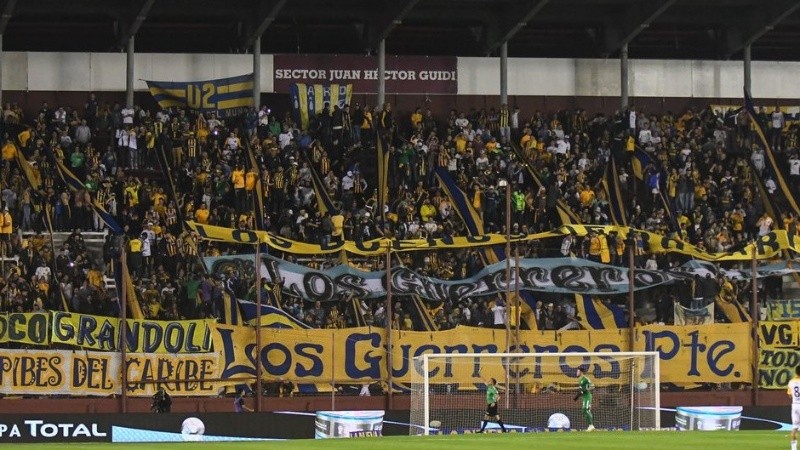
123,344
631,296
259,382
517,317
389,318
754,316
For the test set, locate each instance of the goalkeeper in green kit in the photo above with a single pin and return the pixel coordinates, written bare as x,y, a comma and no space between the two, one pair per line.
585,385
492,397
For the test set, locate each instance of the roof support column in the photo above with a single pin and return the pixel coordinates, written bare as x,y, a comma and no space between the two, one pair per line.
504,73
2,56
623,77
257,72
747,64
381,74
129,74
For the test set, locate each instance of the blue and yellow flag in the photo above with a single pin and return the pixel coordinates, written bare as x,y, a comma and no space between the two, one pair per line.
168,174
593,314
132,300
308,100
225,96
770,157
271,316
32,175
75,184
231,313
324,201
640,162
474,224
616,202
258,192
383,174
565,213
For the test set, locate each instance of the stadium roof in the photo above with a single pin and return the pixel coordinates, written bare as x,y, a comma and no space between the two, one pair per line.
685,29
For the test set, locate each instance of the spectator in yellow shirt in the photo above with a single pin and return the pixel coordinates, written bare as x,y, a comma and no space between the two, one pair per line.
238,180
461,143
6,228
202,214
426,211
9,151
416,118
95,277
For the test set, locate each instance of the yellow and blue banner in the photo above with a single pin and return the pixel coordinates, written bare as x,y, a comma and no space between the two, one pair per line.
778,342
147,336
768,246
308,100
772,164
224,96
356,355
25,328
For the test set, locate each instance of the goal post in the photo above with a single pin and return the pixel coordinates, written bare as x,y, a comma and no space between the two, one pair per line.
537,391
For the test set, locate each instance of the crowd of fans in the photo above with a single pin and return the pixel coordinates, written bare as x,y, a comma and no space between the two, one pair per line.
698,186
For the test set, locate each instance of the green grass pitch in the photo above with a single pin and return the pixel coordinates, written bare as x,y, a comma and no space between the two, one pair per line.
727,440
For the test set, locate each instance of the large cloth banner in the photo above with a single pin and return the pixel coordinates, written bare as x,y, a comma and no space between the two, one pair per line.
702,268
147,336
309,100
783,309
778,354
224,96
561,275
25,328
697,316
709,353
88,373
768,246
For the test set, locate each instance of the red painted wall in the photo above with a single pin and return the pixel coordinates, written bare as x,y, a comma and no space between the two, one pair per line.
399,402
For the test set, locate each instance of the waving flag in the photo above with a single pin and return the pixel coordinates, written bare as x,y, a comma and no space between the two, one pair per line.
770,156
595,315
271,316
224,96
614,194
308,100
75,184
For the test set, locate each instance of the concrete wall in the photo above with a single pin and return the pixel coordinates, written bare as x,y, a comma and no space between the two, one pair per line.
647,78
105,72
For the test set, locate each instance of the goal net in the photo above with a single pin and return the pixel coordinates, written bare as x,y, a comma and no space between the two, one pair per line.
537,391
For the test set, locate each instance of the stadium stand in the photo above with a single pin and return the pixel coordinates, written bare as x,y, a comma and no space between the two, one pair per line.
693,175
